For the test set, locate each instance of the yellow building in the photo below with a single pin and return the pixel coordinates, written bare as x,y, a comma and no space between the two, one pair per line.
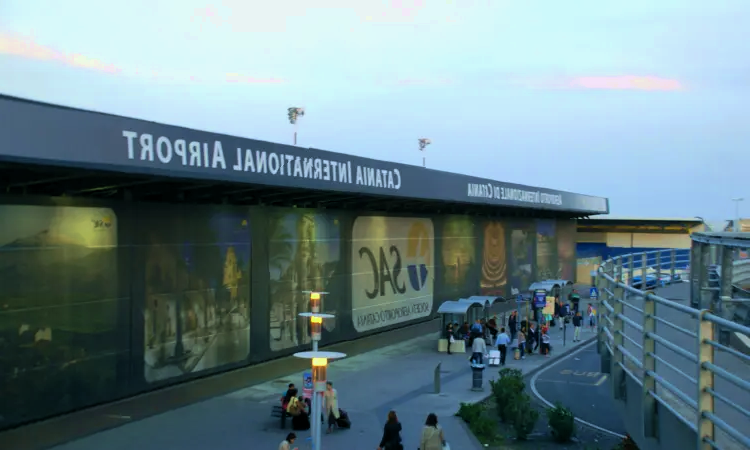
602,238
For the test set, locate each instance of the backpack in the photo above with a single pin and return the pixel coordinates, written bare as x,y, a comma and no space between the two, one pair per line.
293,406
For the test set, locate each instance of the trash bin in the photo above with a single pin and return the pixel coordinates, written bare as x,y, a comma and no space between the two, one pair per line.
477,377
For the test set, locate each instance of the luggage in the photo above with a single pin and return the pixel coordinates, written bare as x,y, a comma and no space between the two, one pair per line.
343,420
494,358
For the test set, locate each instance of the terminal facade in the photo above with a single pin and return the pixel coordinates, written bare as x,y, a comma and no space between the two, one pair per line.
136,255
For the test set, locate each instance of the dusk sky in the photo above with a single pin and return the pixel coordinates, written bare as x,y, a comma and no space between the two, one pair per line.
644,102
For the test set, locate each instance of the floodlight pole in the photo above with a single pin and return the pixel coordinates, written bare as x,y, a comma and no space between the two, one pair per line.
293,114
737,227
423,143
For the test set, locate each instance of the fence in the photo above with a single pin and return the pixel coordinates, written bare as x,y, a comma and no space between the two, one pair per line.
674,371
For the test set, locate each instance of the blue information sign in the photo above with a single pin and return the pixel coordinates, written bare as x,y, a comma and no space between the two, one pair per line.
594,293
540,298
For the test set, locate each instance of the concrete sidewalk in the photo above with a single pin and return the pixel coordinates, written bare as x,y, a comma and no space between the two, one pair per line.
398,377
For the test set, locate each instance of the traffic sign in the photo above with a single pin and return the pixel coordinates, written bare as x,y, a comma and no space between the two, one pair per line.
593,293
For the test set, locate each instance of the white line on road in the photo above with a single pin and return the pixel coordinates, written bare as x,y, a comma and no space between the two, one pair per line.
549,404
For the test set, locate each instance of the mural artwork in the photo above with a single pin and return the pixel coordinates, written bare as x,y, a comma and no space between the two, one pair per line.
58,309
566,250
494,266
392,271
197,283
546,250
304,254
522,256
459,249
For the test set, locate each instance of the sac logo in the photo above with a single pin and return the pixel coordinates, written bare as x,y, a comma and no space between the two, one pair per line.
418,254
387,263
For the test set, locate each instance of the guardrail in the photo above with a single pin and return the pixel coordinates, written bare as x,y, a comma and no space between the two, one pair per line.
678,383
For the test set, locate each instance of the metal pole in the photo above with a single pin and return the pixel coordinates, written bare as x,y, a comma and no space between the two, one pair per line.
737,227
315,407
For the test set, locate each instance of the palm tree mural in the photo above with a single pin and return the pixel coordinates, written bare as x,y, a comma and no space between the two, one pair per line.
280,254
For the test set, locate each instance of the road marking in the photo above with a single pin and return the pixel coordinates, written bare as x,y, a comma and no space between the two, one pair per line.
576,373
549,404
577,383
601,380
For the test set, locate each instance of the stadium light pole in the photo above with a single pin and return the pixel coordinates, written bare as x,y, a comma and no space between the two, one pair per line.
737,227
294,113
423,143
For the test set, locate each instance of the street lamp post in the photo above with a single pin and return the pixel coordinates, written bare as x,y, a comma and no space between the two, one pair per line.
294,113
319,364
423,143
737,227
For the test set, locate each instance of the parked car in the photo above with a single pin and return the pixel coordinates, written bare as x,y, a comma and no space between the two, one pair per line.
637,283
665,279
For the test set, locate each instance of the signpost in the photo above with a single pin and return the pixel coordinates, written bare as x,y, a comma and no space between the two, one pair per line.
307,385
593,293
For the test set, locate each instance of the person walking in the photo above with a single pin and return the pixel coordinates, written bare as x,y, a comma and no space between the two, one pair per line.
330,397
577,322
286,444
592,317
432,435
546,347
513,324
502,342
391,439
450,337
575,299
478,349
521,343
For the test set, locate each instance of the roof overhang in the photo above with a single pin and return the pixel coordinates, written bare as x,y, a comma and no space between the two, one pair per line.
612,225
77,146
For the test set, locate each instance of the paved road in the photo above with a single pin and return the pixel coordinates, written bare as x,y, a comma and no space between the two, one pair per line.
575,381
680,293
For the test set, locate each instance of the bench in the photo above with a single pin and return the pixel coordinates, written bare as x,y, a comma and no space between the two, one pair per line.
277,411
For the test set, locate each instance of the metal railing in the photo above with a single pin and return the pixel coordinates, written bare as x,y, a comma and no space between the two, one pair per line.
673,366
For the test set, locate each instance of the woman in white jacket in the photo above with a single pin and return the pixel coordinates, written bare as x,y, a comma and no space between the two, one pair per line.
331,405
432,435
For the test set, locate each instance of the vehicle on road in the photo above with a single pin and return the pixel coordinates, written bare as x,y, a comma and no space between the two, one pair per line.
637,282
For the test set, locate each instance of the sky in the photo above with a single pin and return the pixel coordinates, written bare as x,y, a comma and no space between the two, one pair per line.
641,101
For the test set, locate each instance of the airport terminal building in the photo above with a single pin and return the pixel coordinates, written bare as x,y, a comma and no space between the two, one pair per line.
137,255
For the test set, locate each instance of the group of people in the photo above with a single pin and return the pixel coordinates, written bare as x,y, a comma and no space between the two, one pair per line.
299,408
530,336
432,437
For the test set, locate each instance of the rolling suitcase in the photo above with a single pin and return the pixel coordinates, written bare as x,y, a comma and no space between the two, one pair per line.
343,420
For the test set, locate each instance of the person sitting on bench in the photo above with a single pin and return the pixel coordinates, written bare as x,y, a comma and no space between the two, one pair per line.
300,412
285,401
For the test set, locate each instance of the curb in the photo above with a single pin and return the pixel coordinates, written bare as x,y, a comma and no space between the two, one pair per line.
532,386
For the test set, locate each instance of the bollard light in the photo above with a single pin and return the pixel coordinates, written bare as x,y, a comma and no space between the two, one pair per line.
315,302
320,373
316,324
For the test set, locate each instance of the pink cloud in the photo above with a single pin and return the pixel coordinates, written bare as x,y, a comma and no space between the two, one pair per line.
627,82
610,83
28,48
